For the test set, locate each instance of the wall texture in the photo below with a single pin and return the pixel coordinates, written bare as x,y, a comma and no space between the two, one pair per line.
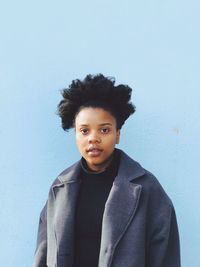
151,45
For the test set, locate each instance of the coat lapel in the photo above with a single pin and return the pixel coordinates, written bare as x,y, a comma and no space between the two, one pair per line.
62,212
120,208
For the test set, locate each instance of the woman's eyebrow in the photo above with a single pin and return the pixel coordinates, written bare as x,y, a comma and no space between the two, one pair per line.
85,125
106,123
99,125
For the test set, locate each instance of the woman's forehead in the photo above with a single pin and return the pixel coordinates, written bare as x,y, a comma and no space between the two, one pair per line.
95,115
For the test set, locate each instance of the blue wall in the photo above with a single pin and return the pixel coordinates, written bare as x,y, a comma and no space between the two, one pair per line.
151,45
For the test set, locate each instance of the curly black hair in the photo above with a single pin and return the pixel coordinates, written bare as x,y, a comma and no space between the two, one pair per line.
95,91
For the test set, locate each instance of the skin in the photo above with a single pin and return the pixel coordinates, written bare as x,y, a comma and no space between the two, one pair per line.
96,136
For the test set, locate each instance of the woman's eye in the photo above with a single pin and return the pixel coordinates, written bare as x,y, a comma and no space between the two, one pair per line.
84,131
104,130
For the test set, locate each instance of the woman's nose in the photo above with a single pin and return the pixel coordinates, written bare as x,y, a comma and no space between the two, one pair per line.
94,138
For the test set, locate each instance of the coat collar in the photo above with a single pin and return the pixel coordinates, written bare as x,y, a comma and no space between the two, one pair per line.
128,169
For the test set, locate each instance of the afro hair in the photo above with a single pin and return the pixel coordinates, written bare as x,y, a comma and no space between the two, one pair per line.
95,91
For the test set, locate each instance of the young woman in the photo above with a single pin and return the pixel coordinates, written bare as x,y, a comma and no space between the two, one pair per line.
105,210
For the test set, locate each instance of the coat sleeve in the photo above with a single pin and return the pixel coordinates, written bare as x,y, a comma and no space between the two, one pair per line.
41,248
164,248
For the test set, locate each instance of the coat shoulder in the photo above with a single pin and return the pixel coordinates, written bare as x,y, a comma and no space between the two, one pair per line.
154,190
151,187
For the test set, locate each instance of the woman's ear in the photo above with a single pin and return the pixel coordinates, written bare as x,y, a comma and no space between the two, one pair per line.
118,136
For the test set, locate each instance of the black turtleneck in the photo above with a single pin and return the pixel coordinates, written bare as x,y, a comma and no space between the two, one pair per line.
94,191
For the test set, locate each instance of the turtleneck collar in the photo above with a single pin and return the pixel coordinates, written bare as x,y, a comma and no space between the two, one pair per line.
111,169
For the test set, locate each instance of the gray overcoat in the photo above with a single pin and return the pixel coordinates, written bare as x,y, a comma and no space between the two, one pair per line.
139,227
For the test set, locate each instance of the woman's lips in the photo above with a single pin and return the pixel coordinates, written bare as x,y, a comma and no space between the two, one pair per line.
94,152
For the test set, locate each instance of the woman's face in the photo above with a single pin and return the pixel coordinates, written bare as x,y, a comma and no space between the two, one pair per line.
96,136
